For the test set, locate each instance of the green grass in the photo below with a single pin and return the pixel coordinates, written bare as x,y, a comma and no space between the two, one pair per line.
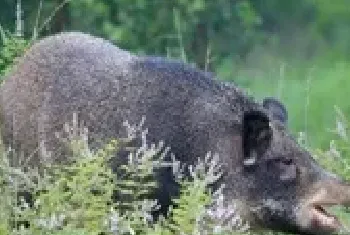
310,90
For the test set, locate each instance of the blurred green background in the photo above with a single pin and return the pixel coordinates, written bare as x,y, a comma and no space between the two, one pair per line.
296,50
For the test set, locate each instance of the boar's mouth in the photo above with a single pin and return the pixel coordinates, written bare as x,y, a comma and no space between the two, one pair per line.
321,220
313,216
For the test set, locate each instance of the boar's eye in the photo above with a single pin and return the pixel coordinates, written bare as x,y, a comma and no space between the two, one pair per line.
287,161
287,169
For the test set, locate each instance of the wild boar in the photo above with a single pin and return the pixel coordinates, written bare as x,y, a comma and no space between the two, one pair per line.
275,183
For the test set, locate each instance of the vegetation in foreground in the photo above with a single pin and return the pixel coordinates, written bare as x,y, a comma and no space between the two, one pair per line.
76,198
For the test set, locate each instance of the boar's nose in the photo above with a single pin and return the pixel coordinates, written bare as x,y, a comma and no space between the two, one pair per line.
331,177
329,188
312,216
332,190
322,175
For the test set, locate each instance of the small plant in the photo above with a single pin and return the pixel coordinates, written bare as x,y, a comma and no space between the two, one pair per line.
195,196
11,48
337,157
199,210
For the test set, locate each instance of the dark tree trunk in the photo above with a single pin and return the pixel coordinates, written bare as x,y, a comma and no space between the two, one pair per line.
61,20
200,46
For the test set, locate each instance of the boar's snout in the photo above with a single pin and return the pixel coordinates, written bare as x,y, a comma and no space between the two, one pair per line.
312,216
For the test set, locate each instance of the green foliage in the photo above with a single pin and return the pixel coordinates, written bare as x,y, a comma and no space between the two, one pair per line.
136,179
190,207
12,47
168,27
198,210
208,31
337,157
80,192
194,198
201,28
6,193
76,198
135,185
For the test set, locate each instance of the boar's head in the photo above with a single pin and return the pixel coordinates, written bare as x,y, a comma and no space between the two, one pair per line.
282,187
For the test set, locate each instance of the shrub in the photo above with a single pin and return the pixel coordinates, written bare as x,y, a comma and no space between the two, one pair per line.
76,198
11,48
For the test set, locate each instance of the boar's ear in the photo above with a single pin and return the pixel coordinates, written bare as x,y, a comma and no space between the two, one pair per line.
277,109
257,135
